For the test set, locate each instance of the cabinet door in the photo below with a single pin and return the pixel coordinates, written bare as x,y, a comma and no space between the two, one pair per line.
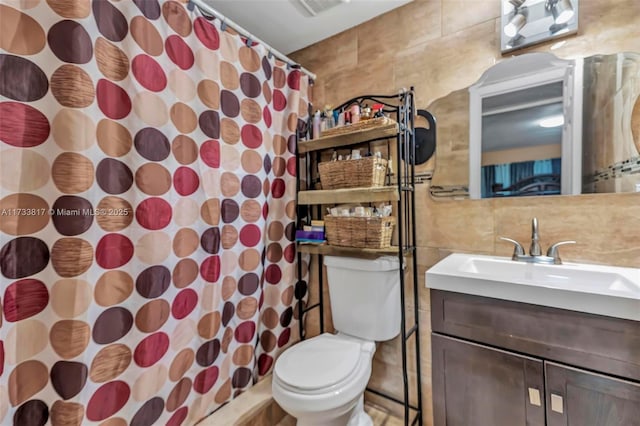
581,398
474,385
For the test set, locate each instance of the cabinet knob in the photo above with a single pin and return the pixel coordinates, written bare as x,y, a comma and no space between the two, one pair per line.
557,403
534,397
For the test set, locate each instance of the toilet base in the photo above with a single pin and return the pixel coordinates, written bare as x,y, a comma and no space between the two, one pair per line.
354,417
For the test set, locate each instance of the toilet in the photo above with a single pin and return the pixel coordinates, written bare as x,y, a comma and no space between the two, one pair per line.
321,381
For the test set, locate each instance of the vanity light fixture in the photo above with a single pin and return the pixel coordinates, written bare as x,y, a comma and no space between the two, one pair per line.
553,121
516,23
527,22
562,11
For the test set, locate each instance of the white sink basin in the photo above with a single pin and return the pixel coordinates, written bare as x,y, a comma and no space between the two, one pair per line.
597,289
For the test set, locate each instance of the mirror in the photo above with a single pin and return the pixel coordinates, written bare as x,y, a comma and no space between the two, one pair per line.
605,134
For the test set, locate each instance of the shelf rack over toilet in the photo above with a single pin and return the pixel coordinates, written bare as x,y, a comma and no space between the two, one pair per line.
399,188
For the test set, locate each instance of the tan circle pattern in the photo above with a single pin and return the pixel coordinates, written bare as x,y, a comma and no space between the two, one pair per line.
113,138
70,297
73,130
182,85
153,248
27,379
149,383
72,173
151,109
247,308
208,63
210,211
20,23
251,161
183,118
249,259
181,364
185,242
71,257
72,87
110,362
228,288
186,212
153,179
147,36
251,211
228,237
113,287
69,338
229,76
14,222
251,111
229,131
17,348
209,325
115,214
185,272
243,355
21,170
230,184
184,149
249,59
152,315
72,9
209,93
112,62
67,413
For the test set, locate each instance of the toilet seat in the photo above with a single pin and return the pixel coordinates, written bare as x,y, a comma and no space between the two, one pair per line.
318,363
323,377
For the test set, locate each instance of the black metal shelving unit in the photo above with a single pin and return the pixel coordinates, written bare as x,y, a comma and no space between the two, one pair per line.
401,189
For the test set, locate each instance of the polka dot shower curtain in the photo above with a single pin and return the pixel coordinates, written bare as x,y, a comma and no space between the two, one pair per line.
147,209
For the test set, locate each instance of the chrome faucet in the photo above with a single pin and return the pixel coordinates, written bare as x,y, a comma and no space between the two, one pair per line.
535,252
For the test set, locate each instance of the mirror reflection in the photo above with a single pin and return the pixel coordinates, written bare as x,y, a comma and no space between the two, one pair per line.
524,135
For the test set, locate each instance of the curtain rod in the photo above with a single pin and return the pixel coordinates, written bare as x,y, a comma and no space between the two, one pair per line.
211,11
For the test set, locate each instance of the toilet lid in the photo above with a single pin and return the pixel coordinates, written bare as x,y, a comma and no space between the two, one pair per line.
318,363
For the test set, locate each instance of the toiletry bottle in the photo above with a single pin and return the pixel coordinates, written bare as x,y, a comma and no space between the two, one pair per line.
316,125
355,113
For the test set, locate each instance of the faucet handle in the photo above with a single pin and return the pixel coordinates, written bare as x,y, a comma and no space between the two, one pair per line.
518,250
555,253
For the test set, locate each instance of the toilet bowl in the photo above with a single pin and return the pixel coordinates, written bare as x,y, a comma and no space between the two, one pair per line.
321,381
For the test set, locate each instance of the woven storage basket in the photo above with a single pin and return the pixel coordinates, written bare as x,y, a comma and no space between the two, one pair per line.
363,172
361,232
358,127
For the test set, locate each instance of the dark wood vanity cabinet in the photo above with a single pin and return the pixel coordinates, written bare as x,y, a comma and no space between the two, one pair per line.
502,363
478,385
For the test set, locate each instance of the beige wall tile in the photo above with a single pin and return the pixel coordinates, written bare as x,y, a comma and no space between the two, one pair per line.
414,24
460,14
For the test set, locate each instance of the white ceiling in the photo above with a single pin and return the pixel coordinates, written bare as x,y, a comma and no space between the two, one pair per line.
287,26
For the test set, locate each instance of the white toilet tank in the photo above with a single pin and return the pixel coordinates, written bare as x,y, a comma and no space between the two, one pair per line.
365,296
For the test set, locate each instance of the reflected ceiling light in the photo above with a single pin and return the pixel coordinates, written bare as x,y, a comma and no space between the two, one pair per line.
562,11
515,24
553,121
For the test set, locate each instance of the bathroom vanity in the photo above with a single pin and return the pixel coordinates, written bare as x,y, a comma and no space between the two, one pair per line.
509,363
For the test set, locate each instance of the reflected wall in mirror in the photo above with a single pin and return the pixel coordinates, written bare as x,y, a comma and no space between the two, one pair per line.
605,155
524,130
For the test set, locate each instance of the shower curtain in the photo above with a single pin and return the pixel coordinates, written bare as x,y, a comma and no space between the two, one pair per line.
147,212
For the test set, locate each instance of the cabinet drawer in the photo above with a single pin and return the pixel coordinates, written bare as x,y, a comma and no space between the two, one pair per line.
605,344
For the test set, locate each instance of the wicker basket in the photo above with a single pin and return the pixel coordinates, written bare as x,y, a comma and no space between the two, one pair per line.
361,232
363,172
358,127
